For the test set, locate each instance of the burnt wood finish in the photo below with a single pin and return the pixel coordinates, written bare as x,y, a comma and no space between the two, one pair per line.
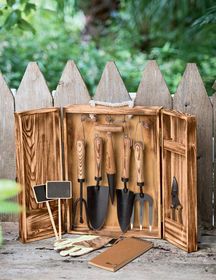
150,119
39,159
179,161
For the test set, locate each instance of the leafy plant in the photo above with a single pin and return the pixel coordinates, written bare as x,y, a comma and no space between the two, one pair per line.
8,189
172,32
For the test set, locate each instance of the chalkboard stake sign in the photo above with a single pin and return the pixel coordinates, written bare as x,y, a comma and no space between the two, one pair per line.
40,197
58,190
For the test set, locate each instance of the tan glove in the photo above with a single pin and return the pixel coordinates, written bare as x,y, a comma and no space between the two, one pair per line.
80,245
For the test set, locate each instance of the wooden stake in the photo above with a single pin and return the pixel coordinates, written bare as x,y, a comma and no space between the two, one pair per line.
59,217
52,220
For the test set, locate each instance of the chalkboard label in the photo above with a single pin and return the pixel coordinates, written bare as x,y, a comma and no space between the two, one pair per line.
40,193
58,189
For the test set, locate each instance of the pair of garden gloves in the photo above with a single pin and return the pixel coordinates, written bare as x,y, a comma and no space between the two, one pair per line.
81,245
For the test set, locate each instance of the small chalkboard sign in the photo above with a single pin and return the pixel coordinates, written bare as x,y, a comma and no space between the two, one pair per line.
40,193
40,197
58,189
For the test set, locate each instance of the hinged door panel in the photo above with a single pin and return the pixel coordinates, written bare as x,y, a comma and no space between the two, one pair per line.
39,159
179,179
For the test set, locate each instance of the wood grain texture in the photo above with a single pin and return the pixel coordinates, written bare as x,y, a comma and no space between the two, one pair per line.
110,155
98,154
71,88
181,231
39,159
81,159
150,118
126,157
138,156
152,89
191,97
7,139
104,110
111,88
33,92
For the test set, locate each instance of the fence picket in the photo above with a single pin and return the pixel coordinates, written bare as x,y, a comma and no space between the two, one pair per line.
7,141
111,88
33,92
191,97
213,99
71,88
152,90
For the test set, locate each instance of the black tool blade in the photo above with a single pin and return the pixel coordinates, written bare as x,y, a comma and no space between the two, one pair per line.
174,193
97,204
112,186
125,201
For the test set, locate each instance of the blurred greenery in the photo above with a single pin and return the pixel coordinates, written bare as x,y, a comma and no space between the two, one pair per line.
92,32
8,189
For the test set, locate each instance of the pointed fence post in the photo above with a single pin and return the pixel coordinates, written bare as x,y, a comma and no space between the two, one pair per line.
152,90
191,97
71,88
111,89
7,139
33,92
213,99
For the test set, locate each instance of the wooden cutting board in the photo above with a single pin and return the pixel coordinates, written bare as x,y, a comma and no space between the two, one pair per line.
121,253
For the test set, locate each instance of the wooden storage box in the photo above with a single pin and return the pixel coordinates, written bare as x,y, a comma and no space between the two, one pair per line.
170,150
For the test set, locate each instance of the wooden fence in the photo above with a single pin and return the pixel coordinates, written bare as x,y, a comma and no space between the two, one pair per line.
190,97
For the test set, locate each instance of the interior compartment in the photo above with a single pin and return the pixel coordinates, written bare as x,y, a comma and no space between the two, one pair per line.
142,125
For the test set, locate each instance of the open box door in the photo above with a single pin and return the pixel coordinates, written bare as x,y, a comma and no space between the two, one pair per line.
179,181
39,159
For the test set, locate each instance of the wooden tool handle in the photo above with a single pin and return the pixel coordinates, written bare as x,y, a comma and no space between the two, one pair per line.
98,145
52,220
59,219
109,128
138,153
81,159
126,157
110,160
172,213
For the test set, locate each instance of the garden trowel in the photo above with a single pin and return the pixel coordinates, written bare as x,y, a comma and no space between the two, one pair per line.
141,196
97,196
125,197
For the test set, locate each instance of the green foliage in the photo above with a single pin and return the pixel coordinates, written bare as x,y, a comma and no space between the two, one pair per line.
8,189
51,32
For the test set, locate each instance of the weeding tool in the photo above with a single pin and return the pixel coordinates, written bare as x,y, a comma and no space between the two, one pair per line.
141,196
81,180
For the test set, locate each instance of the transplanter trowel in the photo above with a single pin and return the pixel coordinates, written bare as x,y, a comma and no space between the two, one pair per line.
125,197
